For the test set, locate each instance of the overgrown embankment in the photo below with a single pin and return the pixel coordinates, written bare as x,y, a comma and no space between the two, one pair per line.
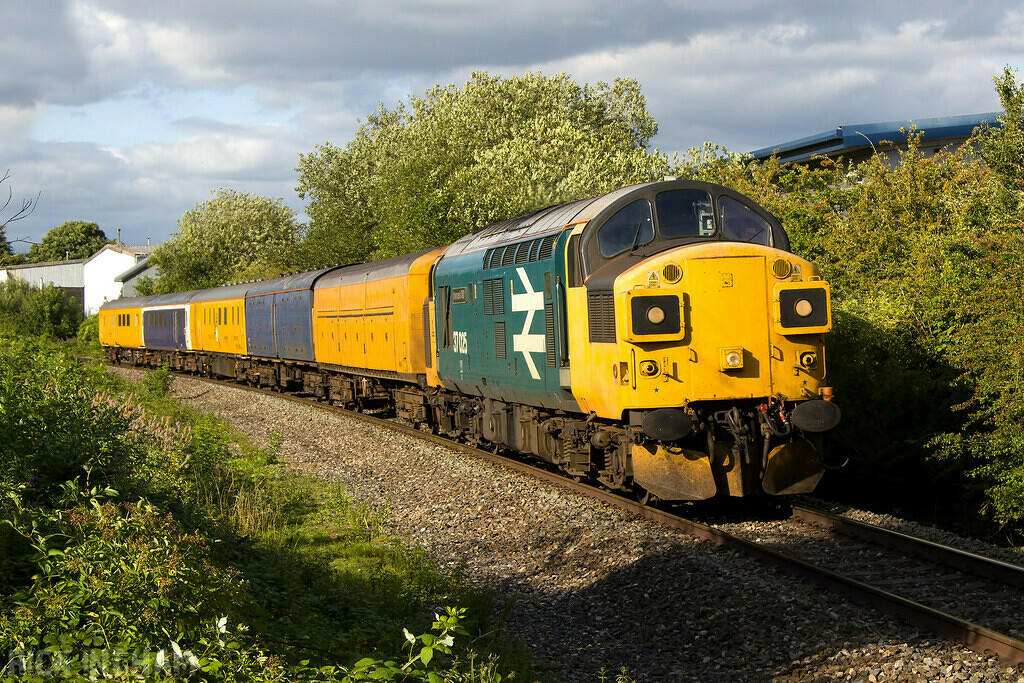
138,536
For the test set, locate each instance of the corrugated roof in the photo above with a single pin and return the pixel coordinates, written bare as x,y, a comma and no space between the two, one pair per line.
45,264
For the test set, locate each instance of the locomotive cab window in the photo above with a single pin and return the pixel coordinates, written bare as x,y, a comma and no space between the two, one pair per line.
631,227
740,223
685,213
572,255
444,326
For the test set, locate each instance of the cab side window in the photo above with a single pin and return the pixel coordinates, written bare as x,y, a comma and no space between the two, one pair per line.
631,227
574,273
741,224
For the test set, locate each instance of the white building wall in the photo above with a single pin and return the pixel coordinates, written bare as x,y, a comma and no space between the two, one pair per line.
100,271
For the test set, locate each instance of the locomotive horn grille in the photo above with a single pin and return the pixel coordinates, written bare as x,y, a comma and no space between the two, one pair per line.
781,268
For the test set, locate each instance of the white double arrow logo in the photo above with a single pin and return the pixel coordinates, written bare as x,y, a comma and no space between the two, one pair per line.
531,302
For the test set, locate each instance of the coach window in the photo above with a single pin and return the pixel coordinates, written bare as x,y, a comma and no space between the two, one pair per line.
631,227
740,223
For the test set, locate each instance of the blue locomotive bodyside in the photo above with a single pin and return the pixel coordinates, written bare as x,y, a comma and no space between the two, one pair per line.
500,313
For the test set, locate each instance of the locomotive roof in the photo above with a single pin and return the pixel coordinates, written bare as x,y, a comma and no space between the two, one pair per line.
545,221
551,219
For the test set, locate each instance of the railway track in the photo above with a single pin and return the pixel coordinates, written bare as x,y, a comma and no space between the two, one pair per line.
947,590
934,587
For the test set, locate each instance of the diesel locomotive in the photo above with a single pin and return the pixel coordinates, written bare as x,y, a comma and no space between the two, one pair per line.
661,339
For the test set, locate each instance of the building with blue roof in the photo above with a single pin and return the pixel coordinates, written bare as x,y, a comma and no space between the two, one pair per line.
859,142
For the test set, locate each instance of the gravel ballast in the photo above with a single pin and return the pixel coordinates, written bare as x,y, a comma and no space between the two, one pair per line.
586,586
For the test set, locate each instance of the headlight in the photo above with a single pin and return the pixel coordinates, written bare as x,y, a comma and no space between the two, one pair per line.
802,308
731,359
654,315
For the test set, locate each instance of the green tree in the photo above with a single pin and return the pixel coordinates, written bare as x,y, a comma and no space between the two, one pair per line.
69,240
1002,146
437,167
234,236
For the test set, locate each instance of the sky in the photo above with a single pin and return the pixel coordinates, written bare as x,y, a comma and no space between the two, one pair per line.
129,113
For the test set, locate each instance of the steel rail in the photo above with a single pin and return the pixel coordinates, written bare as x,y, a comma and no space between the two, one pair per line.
977,638
987,567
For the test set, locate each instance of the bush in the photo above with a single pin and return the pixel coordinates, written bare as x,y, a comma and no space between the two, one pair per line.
89,330
28,310
136,537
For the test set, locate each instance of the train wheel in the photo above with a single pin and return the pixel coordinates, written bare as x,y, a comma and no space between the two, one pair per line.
645,497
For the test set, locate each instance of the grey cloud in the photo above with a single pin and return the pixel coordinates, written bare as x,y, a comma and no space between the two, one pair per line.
40,52
745,74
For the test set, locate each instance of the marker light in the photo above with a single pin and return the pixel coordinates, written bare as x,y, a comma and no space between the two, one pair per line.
803,308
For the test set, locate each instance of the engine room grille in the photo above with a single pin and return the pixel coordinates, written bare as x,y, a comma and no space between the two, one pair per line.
500,343
539,249
546,246
494,296
601,316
